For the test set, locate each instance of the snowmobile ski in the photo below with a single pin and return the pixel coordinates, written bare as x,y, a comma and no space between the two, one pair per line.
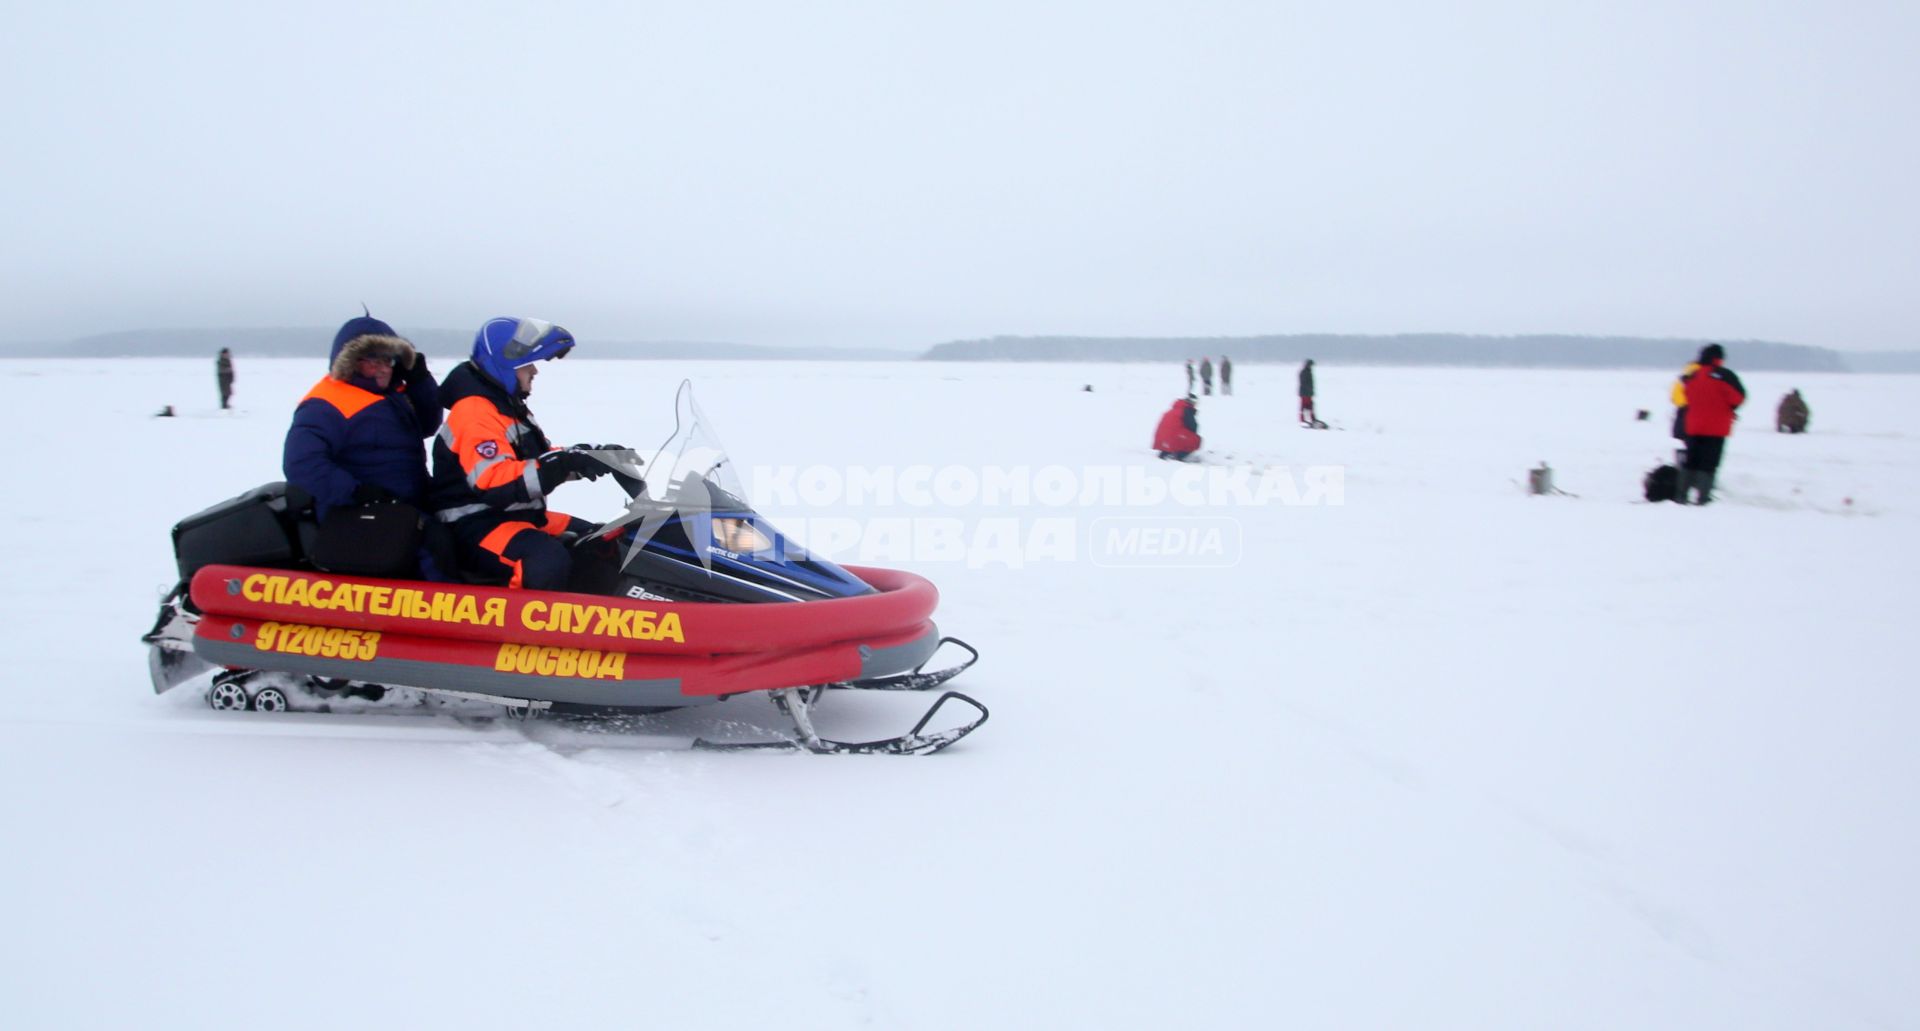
797,704
244,690
915,680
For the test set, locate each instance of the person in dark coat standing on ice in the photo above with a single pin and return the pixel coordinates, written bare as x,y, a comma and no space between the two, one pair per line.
223,374
1189,375
1178,434
1226,375
1307,417
1714,394
1206,376
356,436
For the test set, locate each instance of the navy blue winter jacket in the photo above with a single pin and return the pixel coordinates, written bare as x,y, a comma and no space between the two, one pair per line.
346,432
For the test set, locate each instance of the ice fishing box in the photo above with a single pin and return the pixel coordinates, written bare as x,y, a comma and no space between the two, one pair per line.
257,528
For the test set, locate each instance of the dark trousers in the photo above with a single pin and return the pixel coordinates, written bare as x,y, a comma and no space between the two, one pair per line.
226,390
1703,453
514,552
439,553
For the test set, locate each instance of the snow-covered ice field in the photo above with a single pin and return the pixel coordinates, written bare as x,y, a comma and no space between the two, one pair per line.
1421,751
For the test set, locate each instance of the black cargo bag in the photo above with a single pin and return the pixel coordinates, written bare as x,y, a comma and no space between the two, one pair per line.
258,528
378,539
1663,484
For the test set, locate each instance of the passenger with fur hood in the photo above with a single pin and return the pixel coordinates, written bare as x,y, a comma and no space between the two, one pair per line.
356,437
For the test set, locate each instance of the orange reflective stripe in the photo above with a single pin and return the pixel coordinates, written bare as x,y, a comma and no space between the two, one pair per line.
346,398
474,422
556,523
496,541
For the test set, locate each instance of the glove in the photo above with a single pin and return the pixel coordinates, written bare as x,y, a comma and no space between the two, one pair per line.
407,357
373,493
589,465
629,481
417,370
557,467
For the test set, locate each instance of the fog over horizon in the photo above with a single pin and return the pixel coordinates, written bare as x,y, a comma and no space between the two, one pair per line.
855,175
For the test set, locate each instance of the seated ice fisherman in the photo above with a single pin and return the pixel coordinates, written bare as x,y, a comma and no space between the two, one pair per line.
1791,417
493,467
1178,434
356,436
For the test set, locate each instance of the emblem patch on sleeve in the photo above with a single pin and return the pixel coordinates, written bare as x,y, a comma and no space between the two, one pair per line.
488,449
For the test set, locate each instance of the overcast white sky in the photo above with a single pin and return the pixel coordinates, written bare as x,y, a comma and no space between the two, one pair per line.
900,174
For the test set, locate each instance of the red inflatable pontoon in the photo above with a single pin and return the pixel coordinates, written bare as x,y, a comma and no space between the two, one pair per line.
554,647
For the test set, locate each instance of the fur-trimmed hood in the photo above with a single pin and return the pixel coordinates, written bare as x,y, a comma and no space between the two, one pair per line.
361,346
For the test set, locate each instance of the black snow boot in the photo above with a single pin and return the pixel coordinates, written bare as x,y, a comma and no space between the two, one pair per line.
1692,480
1705,482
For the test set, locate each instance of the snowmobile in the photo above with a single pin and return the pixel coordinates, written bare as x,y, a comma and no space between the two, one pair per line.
687,598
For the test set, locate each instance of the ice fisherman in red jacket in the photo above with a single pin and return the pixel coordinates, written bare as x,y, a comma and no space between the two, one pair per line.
1713,394
1178,434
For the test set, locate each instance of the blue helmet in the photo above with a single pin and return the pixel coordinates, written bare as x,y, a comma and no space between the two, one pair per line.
505,344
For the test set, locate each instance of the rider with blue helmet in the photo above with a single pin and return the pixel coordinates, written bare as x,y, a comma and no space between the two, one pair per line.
493,467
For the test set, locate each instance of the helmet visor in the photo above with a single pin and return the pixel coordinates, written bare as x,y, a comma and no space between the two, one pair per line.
535,340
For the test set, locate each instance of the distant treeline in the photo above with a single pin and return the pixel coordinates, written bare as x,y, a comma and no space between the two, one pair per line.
1540,351
1549,351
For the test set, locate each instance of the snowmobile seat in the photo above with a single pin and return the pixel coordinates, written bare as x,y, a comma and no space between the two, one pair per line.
261,527
306,524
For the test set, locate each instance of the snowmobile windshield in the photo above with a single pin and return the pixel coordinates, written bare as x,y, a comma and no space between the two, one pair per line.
694,459
690,473
692,526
